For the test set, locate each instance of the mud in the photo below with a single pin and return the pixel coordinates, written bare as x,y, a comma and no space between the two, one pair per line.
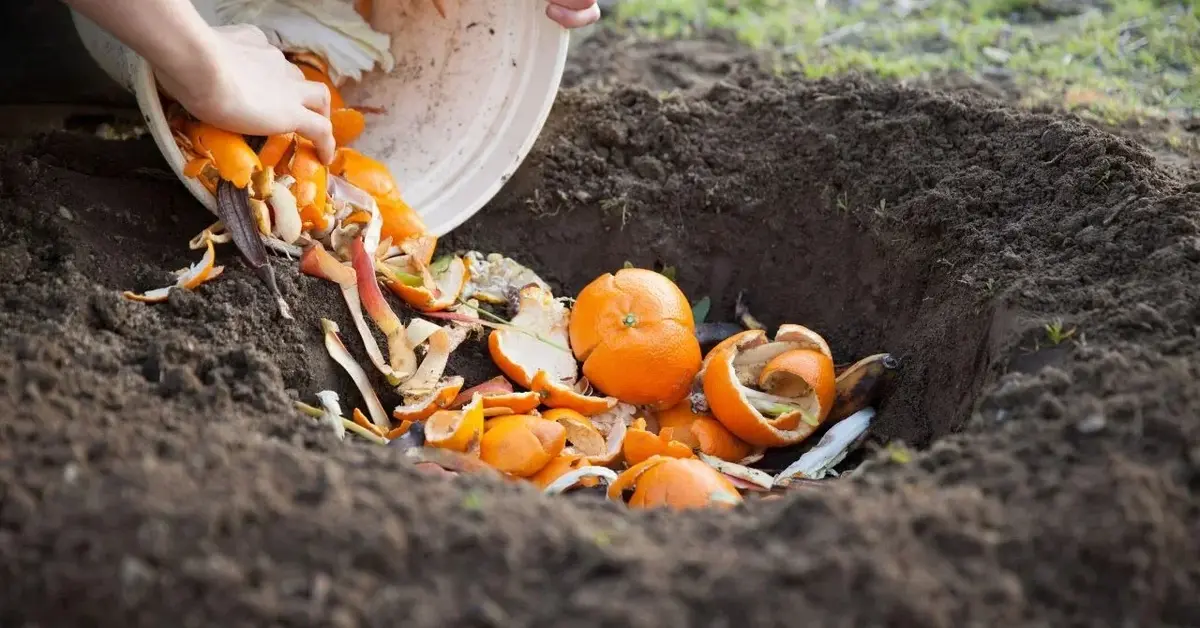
153,471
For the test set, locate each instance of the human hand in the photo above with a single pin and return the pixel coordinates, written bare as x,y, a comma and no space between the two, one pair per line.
243,84
573,13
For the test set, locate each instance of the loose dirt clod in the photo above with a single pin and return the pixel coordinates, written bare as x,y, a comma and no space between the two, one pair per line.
148,503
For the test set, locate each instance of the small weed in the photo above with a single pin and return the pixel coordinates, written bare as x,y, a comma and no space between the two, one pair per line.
843,203
619,204
473,500
1057,333
700,310
898,452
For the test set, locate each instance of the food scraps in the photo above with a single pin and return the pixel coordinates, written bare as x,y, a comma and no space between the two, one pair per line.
763,394
621,389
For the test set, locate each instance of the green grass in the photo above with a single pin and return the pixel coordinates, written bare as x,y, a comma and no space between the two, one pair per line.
1119,59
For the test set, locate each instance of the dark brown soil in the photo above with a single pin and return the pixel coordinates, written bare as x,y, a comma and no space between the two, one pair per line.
153,471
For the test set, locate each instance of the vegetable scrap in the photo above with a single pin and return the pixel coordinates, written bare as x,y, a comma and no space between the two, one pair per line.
592,396
628,388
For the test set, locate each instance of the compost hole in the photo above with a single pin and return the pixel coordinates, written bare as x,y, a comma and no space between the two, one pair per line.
796,244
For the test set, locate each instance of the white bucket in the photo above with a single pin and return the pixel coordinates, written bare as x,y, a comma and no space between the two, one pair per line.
463,106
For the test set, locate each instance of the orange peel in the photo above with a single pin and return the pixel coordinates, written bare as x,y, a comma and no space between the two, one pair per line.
714,439
497,394
521,444
341,355
365,173
676,483
400,430
225,151
582,437
348,124
456,430
559,465
437,353
557,395
311,187
803,377
536,340
421,408
447,286
614,426
189,279
641,444
400,221
274,149
587,476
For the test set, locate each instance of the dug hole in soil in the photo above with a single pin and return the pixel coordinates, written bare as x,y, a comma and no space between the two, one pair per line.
154,471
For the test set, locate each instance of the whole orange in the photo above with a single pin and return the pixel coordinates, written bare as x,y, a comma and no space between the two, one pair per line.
635,335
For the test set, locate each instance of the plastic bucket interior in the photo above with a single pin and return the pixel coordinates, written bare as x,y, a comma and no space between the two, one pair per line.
456,117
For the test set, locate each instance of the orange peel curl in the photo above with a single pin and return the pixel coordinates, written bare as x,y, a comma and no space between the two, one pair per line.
535,340
800,387
456,430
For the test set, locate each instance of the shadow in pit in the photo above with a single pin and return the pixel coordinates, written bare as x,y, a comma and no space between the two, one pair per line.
865,291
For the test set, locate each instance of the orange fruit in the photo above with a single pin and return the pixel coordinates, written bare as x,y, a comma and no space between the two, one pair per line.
800,387
676,483
635,335
521,444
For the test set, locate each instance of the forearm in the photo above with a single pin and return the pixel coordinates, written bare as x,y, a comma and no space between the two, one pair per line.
170,34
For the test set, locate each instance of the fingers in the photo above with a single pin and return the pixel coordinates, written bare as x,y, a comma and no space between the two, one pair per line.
317,129
568,18
315,97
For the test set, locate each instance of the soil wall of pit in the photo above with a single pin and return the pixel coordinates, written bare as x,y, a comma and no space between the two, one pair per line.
152,471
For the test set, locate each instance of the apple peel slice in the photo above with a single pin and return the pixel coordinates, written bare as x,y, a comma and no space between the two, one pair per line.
317,262
401,357
339,353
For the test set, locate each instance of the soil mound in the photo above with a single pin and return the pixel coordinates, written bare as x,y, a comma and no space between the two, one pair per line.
154,473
